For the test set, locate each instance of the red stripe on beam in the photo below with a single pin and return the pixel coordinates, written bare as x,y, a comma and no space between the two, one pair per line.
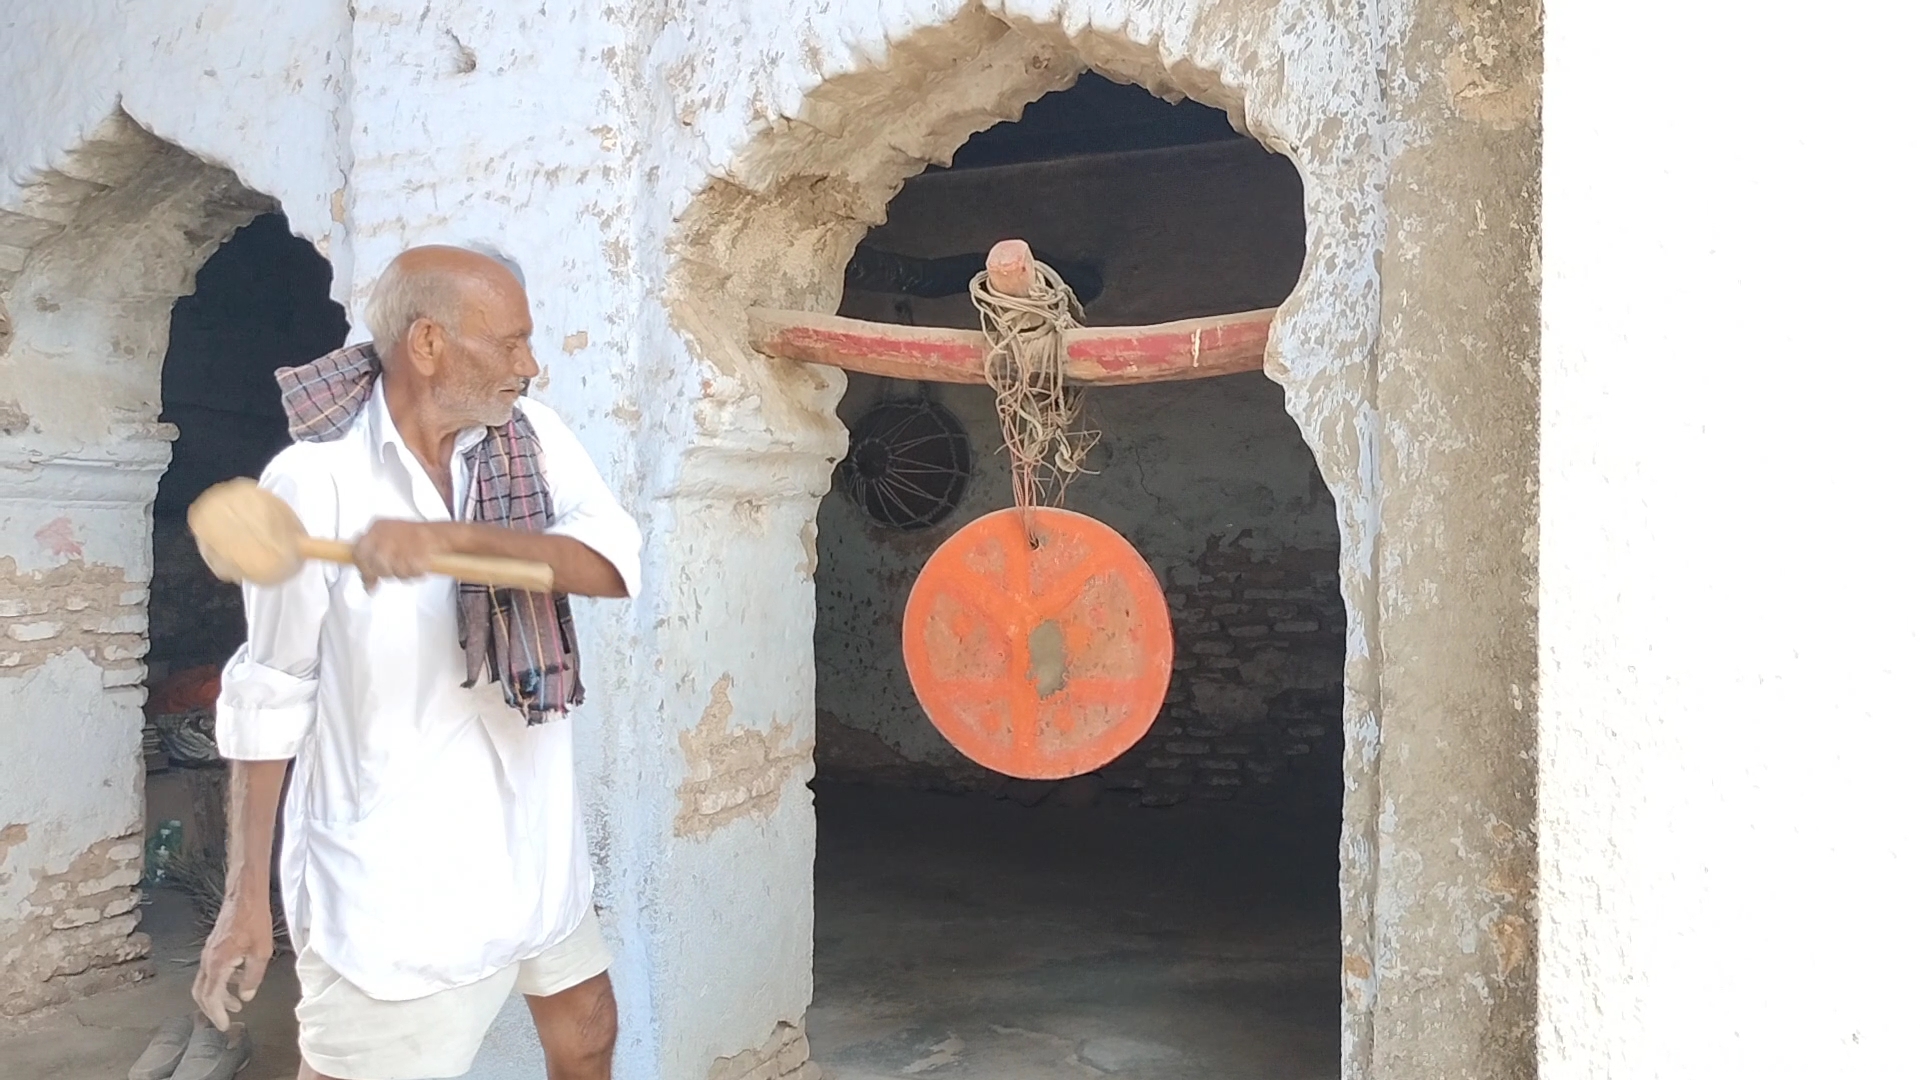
1096,355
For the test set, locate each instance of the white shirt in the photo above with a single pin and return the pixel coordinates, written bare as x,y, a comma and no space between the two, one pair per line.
431,835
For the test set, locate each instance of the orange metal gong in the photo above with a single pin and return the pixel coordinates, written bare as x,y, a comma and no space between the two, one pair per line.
1040,662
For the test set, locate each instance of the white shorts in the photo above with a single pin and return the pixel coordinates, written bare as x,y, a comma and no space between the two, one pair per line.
350,1036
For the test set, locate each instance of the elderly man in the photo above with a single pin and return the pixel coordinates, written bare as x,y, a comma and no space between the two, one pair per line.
433,857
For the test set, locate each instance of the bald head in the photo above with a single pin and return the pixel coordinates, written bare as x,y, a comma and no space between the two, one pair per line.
454,335
436,283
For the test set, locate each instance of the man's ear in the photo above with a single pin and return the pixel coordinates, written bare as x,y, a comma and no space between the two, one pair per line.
426,346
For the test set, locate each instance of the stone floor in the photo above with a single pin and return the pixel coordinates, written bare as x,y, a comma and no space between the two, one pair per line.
963,938
98,1038
958,938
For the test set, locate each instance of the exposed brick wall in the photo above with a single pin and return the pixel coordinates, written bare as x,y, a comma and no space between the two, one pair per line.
81,459
1253,710
76,605
71,931
76,934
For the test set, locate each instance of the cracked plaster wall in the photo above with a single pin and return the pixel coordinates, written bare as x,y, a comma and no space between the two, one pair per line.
101,226
640,200
109,241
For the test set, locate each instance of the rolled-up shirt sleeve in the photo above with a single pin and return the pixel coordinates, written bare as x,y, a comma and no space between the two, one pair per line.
269,689
584,508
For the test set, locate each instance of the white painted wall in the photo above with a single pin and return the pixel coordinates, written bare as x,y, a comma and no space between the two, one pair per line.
255,88
573,135
45,728
1728,719
235,82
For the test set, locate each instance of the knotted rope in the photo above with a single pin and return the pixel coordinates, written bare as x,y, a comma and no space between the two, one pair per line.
1026,366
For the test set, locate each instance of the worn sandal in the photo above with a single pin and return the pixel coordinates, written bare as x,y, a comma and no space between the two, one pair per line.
163,1054
213,1055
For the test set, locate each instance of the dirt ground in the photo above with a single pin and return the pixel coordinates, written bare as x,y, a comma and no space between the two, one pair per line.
964,938
958,938
100,1037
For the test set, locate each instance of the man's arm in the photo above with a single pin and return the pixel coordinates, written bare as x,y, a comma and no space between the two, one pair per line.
593,544
402,549
262,719
240,946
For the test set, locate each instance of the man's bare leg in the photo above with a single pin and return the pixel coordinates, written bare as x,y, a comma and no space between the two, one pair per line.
307,1073
577,1027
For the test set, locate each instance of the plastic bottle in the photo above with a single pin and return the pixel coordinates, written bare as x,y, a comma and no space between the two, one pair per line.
162,846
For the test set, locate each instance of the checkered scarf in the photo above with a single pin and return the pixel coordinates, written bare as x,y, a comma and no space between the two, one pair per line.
523,639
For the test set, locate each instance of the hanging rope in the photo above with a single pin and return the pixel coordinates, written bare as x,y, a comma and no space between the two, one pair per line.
1026,366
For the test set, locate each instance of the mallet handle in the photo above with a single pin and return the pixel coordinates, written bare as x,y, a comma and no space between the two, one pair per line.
477,569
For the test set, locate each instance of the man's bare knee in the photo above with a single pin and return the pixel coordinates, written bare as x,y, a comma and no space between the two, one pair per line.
599,1023
578,1028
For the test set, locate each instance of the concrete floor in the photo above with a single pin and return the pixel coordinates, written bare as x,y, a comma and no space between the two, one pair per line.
964,937
100,1037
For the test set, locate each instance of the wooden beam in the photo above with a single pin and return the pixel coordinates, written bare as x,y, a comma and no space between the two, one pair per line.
1096,355
1171,351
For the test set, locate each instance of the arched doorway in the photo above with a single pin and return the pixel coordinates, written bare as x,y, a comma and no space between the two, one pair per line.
112,239
1115,921
260,302
779,233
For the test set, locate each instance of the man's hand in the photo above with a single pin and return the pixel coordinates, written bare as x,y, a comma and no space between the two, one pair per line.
398,549
235,957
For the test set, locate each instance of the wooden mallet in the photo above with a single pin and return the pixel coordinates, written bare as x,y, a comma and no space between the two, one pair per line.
248,534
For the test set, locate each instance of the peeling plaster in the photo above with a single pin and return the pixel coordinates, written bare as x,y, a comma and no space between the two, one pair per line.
733,773
11,837
782,1057
77,605
1493,73
94,249
75,933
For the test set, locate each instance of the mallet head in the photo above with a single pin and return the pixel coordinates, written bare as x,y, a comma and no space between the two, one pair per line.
245,533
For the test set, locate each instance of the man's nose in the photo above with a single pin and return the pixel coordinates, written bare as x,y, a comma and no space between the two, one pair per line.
524,365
